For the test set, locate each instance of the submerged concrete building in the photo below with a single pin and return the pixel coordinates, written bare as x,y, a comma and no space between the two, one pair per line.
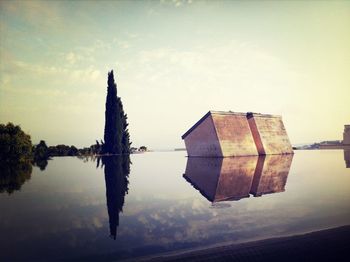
226,134
220,134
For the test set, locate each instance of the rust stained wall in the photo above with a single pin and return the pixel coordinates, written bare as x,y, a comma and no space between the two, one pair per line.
203,140
234,135
271,174
269,134
226,134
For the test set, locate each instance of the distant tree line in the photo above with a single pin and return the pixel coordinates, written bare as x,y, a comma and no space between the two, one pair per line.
16,145
42,151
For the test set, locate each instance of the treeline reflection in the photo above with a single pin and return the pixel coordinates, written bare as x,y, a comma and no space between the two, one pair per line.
13,174
116,169
223,179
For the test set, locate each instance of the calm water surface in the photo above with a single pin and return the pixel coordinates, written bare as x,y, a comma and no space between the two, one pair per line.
165,202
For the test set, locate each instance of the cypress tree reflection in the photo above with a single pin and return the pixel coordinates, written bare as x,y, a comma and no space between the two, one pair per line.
117,169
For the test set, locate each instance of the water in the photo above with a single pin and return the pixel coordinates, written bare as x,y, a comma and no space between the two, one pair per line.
75,210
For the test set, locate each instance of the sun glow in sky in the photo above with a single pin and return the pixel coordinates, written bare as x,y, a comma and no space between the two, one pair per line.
173,61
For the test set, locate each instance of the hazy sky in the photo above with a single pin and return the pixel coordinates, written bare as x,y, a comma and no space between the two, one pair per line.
173,61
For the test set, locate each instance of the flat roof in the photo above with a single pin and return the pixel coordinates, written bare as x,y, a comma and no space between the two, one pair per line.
212,112
252,114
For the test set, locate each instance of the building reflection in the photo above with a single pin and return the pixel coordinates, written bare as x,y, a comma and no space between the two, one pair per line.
347,158
271,174
116,169
221,179
234,178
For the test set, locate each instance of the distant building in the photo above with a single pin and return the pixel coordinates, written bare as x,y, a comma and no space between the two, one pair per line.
346,135
337,144
224,134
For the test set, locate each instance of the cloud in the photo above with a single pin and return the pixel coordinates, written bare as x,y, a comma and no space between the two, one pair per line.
38,70
121,43
71,58
176,3
87,74
35,12
234,64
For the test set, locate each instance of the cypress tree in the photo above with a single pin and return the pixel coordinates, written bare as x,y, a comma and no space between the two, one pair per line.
113,125
116,136
125,135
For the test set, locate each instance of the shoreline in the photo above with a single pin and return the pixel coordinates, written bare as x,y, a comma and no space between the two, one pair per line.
324,245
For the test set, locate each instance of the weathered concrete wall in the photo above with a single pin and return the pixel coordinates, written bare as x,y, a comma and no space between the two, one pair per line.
234,134
271,174
220,179
346,135
226,134
203,140
269,134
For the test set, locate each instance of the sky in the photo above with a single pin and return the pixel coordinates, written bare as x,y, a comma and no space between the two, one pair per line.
173,61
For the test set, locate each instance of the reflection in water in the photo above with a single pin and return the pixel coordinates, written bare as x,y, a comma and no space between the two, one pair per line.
59,214
14,175
117,169
41,163
347,158
88,158
271,174
221,179
234,178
